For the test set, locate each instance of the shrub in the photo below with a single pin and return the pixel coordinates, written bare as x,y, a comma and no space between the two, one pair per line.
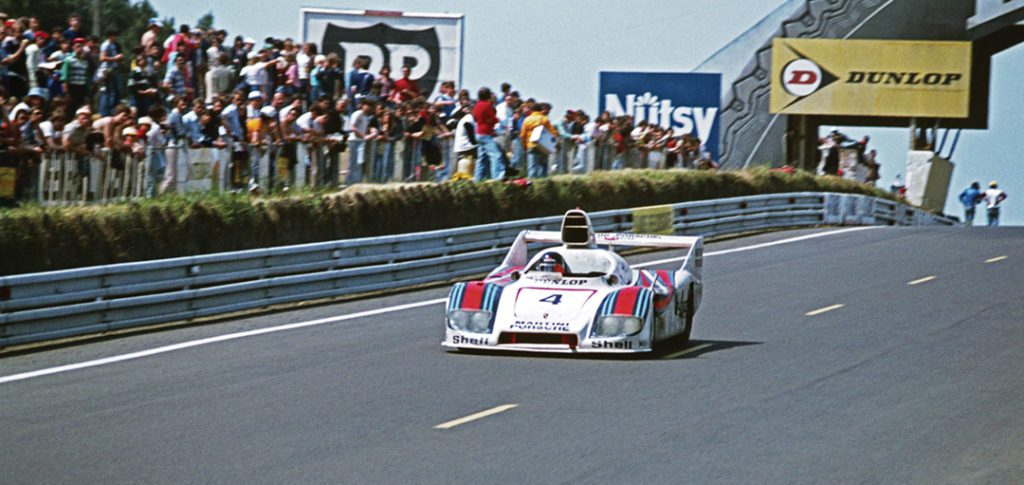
48,238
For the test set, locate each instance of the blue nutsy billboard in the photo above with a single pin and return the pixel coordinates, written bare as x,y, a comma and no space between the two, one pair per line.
685,102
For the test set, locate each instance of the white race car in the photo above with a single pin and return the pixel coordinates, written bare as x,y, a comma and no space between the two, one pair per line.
578,297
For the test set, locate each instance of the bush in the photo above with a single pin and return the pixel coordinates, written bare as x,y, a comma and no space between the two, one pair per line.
50,238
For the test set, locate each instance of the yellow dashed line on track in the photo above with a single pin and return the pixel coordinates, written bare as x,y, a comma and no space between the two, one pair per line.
823,310
996,259
473,417
921,280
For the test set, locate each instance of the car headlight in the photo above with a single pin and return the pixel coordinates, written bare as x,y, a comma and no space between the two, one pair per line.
470,321
617,326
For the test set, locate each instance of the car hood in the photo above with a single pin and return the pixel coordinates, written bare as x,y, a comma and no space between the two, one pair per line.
542,305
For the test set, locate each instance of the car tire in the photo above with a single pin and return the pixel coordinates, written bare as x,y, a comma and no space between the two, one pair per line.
684,338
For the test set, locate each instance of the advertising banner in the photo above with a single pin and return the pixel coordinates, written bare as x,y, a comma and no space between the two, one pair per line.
928,79
685,102
656,219
430,44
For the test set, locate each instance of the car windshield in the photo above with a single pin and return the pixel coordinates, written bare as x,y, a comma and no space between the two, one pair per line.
579,262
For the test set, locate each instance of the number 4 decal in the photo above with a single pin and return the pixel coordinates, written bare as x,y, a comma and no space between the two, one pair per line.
553,299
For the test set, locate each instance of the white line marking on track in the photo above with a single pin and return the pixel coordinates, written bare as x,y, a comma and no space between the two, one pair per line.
351,316
921,280
823,310
211,340
996,259
473,417
686,351
759,246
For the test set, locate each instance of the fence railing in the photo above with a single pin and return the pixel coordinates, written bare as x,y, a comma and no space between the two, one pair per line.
44,306
106,175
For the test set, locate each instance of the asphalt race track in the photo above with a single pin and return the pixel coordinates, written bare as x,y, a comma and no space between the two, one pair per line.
882,355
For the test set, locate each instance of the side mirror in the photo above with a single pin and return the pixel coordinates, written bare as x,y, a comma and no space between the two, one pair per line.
515,275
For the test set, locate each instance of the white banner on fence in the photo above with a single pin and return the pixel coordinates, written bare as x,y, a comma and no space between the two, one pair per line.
430,44
199,170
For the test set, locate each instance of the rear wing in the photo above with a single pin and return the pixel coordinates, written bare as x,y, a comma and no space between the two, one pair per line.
692,263
621,239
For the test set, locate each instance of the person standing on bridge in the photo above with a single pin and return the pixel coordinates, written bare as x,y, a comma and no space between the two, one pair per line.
971,197
994,196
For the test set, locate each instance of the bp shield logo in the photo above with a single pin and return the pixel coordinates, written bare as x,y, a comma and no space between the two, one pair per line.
386,45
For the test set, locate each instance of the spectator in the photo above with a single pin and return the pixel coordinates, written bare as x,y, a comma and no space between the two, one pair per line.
219,79
74,30
871,161
445,100
994,198
155,143
465,146
13,67
489,162
387,85
74,75
108,78
34,56
390,133
358,127
970,198
304,61
142,84
537,152
262,132
406,89
75,136
317,78
254,76
149,37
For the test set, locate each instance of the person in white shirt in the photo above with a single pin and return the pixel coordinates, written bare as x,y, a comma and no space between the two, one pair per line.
465,146
358,126
994,197
34,57
304,61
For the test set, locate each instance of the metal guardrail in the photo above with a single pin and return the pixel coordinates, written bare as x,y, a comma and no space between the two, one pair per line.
59,304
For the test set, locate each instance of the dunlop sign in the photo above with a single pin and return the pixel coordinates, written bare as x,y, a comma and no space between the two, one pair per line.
871,78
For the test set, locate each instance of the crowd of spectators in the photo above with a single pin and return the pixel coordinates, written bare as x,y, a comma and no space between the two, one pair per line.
66,91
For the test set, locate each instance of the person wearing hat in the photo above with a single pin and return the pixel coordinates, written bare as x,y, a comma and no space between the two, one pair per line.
261,129
74,75
75,138
156,144
150,36
34,57
994,198
34,99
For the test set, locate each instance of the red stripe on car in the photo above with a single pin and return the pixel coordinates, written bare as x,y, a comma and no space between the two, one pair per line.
474,296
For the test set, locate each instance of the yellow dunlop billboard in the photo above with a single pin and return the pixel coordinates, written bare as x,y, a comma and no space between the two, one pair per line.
871,77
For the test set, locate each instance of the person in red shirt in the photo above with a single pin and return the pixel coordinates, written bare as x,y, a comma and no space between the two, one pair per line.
490,164
405,89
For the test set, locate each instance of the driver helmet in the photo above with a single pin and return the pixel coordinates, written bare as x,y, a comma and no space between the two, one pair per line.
550,263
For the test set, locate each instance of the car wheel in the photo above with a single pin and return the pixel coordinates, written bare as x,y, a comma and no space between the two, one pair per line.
684,337
655,345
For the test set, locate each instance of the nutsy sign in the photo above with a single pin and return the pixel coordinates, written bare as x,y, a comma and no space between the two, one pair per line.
871,77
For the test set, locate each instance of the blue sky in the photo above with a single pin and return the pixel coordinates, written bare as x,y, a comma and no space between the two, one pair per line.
554,51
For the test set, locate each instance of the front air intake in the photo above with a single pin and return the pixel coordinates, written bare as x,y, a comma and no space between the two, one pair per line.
513,338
